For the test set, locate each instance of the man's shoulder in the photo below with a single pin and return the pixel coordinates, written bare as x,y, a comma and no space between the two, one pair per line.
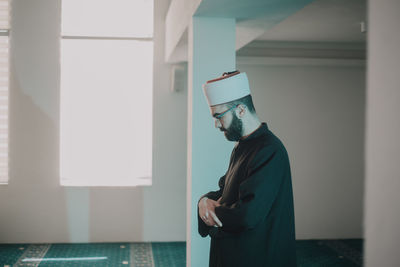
268,145
270,140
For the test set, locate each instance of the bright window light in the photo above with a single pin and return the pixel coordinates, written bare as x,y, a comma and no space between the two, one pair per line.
112,18
106,102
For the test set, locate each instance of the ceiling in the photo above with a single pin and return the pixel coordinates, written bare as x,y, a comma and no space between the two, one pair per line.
279,28
322,21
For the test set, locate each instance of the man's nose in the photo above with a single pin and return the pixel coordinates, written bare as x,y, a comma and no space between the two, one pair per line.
217,123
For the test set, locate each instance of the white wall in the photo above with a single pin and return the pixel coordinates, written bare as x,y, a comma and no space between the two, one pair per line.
382,199
165,201
318,112
34,207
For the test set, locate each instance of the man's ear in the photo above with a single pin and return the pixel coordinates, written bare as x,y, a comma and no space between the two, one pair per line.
240,110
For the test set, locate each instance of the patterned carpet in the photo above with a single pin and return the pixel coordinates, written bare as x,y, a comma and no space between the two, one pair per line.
310,253
332,253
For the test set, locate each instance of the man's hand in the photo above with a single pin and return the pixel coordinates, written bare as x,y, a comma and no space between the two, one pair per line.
207,212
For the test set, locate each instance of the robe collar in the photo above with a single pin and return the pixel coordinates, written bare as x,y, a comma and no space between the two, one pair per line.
262,130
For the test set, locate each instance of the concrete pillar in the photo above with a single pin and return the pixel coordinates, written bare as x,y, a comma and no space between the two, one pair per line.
382,198
211,52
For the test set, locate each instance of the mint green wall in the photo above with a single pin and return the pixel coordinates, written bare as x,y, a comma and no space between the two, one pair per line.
211,52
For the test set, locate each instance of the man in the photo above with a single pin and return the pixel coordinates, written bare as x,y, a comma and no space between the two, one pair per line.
250,219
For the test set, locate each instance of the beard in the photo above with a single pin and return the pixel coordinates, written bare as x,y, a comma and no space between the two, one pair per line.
234,131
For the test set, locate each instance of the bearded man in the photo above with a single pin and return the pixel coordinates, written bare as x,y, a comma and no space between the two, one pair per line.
250,219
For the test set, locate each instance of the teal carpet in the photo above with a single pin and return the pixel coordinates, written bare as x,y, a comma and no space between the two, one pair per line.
332,253
310,253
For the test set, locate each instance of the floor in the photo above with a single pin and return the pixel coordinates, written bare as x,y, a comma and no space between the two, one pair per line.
312,253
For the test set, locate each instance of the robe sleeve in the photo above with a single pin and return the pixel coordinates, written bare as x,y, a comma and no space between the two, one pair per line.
214,195
257,192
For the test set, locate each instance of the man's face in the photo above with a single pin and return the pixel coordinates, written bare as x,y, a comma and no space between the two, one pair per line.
229,123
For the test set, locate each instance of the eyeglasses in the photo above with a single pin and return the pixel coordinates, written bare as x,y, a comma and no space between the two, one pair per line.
219,116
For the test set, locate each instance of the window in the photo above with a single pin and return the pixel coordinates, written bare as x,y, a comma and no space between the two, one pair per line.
106,92
4,78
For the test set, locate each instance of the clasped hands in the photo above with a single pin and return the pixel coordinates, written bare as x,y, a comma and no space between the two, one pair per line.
207,211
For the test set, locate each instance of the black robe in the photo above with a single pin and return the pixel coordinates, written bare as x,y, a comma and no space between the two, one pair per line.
256,206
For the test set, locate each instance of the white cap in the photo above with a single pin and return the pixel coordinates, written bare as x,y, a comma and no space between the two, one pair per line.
226,88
